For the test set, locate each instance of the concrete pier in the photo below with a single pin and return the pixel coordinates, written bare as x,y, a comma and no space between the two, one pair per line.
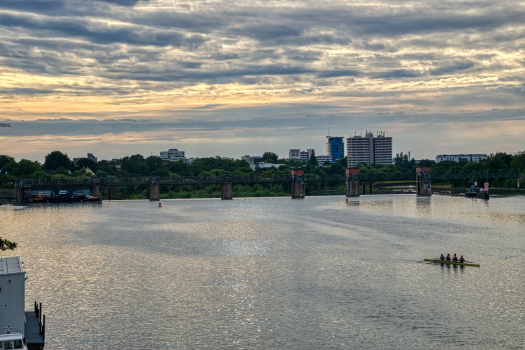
96,188
226,188
423,183
298,190
19,192
226,191
154,191
352,183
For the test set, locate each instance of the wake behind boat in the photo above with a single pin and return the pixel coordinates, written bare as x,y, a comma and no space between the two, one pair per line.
451,262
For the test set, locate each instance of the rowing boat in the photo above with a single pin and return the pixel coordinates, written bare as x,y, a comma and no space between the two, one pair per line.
451,262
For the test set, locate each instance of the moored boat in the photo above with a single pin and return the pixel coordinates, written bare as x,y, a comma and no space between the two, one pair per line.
22,328
451,262
12,341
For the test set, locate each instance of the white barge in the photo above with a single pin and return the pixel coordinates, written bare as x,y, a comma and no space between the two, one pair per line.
19,329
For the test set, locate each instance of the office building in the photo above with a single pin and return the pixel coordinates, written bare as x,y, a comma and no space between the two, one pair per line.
458,157
294,154
369,149
172,155
335,148
297,154
252,159
323,159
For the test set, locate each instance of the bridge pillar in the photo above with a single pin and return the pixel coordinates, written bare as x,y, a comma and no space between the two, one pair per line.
226,188
153,187
96,188
226,191
423,184
298,189
352,183
19,192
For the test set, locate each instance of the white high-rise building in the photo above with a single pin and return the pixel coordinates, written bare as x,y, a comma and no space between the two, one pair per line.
369,149
172,155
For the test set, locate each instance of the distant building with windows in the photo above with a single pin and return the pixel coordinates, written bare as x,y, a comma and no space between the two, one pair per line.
252,159
335,148
458,157
297,154
323,159
264,165
369,149
172,155
90,156
227,158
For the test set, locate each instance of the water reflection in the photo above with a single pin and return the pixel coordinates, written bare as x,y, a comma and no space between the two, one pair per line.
424,205
275,273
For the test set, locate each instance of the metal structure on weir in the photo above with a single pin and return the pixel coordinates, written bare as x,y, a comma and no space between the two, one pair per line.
20,190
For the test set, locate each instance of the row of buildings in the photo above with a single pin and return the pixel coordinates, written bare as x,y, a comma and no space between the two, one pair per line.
367,149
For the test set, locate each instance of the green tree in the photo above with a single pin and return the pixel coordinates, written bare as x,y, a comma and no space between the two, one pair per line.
57,159
179,167
313,160
62,171
87,163
270,157
518,160
154,163
135,165
23,168
4,160
6,244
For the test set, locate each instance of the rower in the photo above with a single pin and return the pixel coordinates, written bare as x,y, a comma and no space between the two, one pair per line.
455,258
442,257
448,257
461,260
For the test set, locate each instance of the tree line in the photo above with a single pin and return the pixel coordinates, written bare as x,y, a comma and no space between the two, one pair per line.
58,165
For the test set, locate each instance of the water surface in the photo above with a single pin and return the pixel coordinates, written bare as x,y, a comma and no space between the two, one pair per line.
276,273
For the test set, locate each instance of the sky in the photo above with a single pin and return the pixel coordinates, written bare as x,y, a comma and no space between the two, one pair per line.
231,78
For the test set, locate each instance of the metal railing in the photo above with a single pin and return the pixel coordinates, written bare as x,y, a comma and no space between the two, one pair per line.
477,174
254,179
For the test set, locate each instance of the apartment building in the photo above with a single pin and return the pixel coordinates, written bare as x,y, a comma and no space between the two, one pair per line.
369,149
172,155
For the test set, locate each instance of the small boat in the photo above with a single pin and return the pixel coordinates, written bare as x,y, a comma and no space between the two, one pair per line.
451,262
12,341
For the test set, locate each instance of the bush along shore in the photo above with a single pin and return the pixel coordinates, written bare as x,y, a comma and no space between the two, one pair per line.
58,165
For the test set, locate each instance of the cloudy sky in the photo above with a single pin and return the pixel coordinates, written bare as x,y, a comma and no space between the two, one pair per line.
229,78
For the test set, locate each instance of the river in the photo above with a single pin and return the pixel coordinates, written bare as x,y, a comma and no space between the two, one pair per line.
275,273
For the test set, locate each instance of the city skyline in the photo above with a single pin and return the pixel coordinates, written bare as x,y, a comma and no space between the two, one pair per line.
121,77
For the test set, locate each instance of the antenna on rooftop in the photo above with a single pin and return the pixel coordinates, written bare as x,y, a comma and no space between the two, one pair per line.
328,131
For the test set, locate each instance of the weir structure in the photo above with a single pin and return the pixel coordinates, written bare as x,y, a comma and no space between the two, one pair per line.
423,183
24,190
298,189
352,182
